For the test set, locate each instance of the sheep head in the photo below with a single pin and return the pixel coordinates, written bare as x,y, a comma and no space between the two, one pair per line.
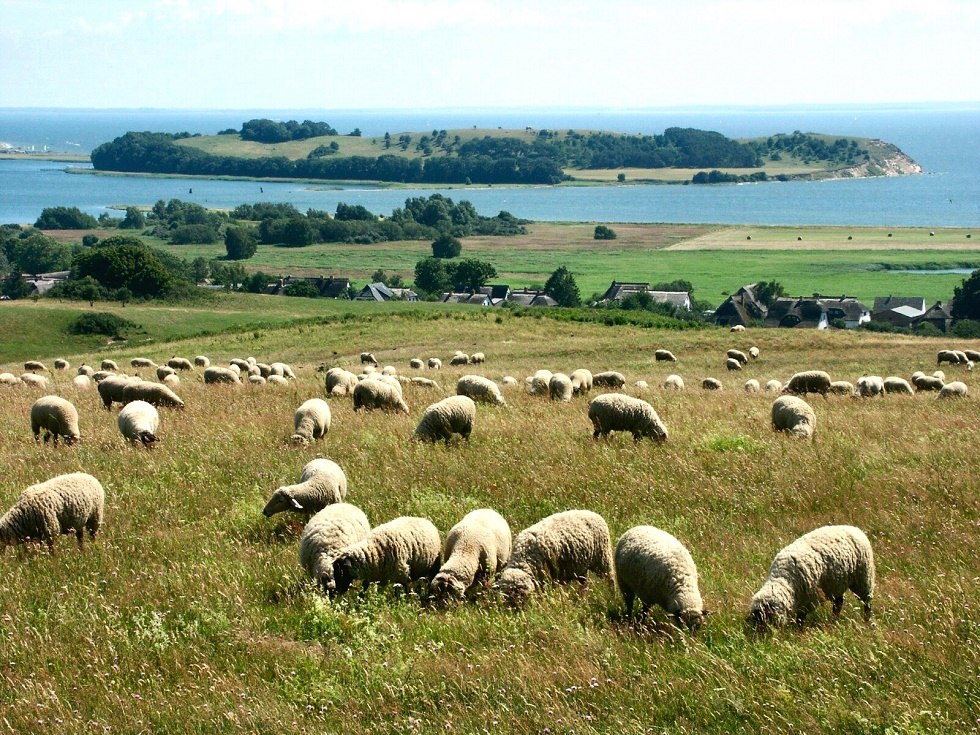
281,500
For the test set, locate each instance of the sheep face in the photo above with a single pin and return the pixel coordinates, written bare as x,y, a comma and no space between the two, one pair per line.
446,586
323,573
770,607
516,585
146,438
344,573
693,619
280,502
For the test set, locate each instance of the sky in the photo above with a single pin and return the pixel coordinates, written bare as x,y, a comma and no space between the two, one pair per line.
445,54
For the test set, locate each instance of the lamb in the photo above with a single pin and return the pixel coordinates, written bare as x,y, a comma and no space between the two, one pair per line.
416,364
894,384
435,363
927,382
754,353
61,364
460,359
139,421
869,386
610,379
399,551
823,563
732,364
164,370
712,384
475,549
321,483
673,382
214,375
57,417
664,356
340,382
202,361
619,412
374,393
66,503
326,534
538,383
794,415
281,368
311,421
142,362
809,381
738,355
956,389
562,547
453,415
368,358
841,388
656,567
751,386
35,366
560,387
155,393
480,389
477,358
581,381
34,381
110,365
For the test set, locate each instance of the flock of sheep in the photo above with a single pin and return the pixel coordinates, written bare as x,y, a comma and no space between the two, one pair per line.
338,545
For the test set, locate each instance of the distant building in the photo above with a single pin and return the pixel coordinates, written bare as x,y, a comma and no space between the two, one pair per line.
330,287
41,283
380,292
816,312
528,297
618,291
465,297
741,308
900,311
936,315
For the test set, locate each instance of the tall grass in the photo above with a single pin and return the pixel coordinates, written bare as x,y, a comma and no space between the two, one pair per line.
190,612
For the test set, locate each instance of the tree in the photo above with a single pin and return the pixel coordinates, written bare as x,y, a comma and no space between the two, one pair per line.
431,276
621,178
122,295
134,219
240,243
562,288
65,218
446,246
301,288
298,232
966,298
471,274
124,261
768,291
14,286
200,269
603,233
38,253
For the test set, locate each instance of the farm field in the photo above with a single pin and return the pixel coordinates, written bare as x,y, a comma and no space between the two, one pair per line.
190,613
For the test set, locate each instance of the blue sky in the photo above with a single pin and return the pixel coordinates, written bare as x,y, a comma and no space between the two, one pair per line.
424,54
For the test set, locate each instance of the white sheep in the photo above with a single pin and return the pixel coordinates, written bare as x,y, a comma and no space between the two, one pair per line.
563,547
179,363
508,381
164,370
794,415
171,381
480,389
754,353
110,366
774,386
142,362
369,359
321,483
841,387
389,370
238,363
459,359
738,355
927,382
809,381
311,421
827,563
673,382
61,364
475,549
664,356
139,421
256,380
57,417
737,328
282,369
435,363
972,355
712,384
397,552
477,358
653,565
581,381
276,380
560,387
66,503
416,364
374,393
111,390
340,382
955,389
325,535
34,381
35,366
202,361
751,386
732,364
453,415
869,386
10,379
939,374
538,383
641,385
894,384
620,412
609,379
84,369
80,382
423,382
155,393
214,375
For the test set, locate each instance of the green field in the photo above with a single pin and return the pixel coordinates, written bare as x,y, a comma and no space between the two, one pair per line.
190,613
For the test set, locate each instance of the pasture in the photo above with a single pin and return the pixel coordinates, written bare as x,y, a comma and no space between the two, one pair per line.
190,612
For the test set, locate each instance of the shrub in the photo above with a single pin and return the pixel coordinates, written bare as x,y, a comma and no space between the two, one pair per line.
100,322
186,234
966,329
65,218
603,233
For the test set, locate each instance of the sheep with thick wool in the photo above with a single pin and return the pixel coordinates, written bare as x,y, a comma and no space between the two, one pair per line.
63,504
311,421
325,535
673,382
609,379
416,364
537,384
653,565
397,552
560,387
214,375
282,369
10,379
32,380
480,389
139,421
202,361
620,412
563,547
79,382
111,390
712,384
57,417
824,563
374,393
35,366
340,382
924,382
751,386
84,369
794,415
664,356
156,393
841,388
774,386
61,364
477,358
737,355
869,386
459,358
368,359
475,549
955,389
434,363
732,364
581,381
754,353
321,483
163,371
110,365
895,384
179,363
808,381
453,415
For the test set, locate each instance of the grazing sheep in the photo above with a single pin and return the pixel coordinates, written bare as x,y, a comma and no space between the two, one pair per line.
276,380
673,382
894,384
793,414
368,358
538,383
321,483
477,357
57,417
609,379
581,381
656,567
179,363
949,356
927,382
738,355
84,369
560,387
340,382
139,421
664,356
34,381
155,393
424,382
164,370
99,375
416,364
563,547
66,503
399,551
142,362
256,380
435,363
239,363
619,412
35,366
171,381
508,381
754,353
971,355
961,357
80,382
774,386
737,328
939,374
326,534
214,375
712,384
641,385
61,364
480,389
823,563
869,386
751,386
956,389
374,393
311,421
110,365
11,379
459,359
282,369
732,364
202,361
476,548
111,390
809,381
453,415
389,370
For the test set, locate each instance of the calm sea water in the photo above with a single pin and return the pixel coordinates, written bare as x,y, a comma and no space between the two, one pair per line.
946,141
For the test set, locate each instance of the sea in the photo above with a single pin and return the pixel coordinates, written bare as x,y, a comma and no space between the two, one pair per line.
944,139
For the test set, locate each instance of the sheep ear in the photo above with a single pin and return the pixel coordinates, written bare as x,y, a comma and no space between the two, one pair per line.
296,504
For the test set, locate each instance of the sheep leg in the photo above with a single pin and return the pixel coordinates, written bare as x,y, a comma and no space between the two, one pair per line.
867,611
628,597
800,617
838,603
80,537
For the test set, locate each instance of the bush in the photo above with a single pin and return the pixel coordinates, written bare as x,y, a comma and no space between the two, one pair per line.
100,322
603,233
446,246
186,234
966,329
65,218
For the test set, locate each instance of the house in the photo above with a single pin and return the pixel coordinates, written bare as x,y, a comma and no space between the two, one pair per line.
741,308
380,292
936,315
816,312
465,297
618,291
529,297
41,283
901,311
331,287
